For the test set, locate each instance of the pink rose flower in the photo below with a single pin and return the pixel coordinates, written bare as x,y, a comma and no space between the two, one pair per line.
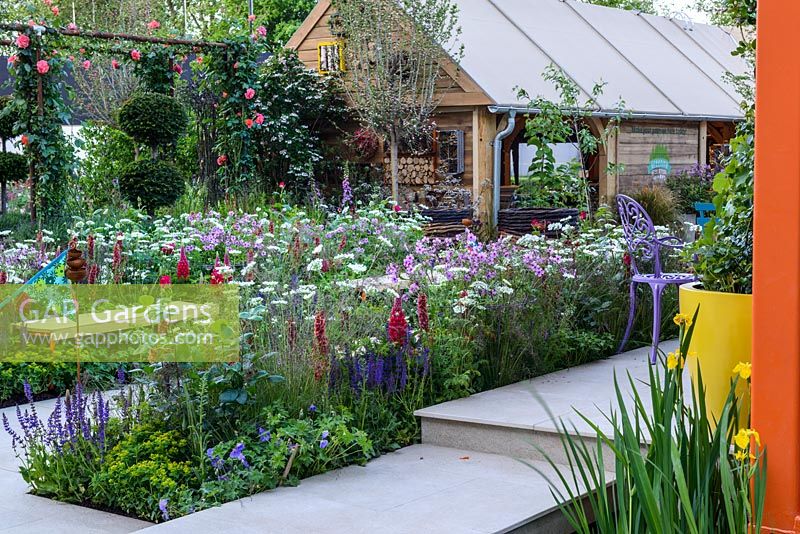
136,55
262,31
23,41
222,160
236,65
259,118
199,59
12,59
248,123
249,93
177,68
54,9
282,185
72,27
251,18
153,25
87,64
42,66
114,64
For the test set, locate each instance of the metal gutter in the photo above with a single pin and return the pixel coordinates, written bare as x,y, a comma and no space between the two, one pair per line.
502,109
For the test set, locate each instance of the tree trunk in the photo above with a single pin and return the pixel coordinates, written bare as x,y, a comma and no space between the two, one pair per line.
395,162
3,196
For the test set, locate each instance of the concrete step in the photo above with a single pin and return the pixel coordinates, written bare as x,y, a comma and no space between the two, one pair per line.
522,420
422,488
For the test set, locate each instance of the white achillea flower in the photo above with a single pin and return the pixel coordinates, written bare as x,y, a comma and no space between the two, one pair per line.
357,268
315,265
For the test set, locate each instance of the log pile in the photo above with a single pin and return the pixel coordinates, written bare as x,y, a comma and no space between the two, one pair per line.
446,222
518,221
413,170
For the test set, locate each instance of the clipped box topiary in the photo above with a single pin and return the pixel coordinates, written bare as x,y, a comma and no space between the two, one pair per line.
153,119
151,184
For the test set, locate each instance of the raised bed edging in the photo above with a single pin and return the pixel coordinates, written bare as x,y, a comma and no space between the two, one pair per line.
517,221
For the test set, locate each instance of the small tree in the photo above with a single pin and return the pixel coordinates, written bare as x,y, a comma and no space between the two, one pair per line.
393,50
567,121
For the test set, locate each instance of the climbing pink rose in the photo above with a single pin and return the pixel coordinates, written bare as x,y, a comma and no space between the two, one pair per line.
259,118
248,123
12,59
87,64
72,27
114,64
42,66
222,160
153,25
54,9
250,93
23,41
262,31
136,55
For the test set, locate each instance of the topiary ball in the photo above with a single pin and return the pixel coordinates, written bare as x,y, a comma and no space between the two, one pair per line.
151,184
153,119
13,167
8,116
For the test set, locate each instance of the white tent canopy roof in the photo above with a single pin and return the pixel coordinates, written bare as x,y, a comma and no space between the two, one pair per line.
657,66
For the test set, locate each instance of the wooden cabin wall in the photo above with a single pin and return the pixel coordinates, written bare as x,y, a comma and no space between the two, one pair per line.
636,142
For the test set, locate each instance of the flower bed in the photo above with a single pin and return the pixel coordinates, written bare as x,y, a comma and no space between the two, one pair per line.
350,321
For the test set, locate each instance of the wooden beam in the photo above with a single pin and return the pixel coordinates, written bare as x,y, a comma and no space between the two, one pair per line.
305,28
465,99
108,36
776,261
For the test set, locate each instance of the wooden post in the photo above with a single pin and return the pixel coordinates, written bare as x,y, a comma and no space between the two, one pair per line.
776,283
484,128
702,149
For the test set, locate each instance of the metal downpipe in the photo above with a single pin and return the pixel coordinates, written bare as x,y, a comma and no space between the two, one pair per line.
498,164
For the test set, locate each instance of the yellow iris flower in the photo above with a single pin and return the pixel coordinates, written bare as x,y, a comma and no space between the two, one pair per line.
742,438
674,360
743,369
683,319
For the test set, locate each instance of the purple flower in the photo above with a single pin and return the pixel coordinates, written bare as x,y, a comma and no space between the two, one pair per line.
120,375
323,443
216,461
264,435
26,387
238,454
162,505
325,434
312,408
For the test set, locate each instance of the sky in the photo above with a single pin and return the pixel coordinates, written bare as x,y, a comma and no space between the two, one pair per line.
684,6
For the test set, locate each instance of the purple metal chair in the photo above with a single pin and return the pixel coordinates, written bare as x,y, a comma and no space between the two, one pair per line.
644,244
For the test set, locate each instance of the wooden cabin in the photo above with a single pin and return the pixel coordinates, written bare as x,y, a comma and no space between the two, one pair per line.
671,75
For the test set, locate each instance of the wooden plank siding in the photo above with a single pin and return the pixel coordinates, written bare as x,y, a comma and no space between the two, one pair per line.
635,144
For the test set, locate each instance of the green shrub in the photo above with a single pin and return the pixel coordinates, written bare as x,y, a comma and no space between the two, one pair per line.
8,117
660,204
153,119
145,466
13,167
694,185
151,184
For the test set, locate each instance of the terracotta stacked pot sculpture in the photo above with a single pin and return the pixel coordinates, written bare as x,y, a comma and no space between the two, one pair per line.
76,266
